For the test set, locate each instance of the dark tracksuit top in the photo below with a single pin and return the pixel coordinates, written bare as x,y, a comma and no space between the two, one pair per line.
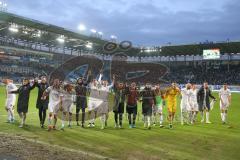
40,102
23,97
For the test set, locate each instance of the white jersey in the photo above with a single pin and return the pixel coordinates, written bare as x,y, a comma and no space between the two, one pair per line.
11,87
193,96
54,98
224,95
11,98
193,100
185,102
67,101
94,97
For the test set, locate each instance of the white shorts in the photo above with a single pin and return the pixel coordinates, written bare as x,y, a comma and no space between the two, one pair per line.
10,103
68,108
194,107
53,107
94,103
225,106
185,107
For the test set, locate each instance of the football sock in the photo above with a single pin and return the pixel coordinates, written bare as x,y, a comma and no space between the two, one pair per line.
161,119
149,121
222,116
207,116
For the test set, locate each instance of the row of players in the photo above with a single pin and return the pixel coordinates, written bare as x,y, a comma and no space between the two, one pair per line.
94,95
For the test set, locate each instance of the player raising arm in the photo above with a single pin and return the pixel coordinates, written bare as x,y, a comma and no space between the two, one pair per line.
42,104
23,99
54,94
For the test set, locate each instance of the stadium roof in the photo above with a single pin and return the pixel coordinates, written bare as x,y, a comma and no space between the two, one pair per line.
50,32
29,28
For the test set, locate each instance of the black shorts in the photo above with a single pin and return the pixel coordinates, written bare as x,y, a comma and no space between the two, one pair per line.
147,110
132,109
81,103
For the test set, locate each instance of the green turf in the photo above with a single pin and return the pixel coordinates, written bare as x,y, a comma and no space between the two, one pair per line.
201,141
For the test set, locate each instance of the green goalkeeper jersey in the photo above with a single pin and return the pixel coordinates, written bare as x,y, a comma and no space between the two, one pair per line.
158,100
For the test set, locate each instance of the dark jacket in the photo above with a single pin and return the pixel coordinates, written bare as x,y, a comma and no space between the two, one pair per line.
119,97
23,97
40,102
200,97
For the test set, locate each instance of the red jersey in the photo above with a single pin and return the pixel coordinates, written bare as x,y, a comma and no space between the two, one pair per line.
132,97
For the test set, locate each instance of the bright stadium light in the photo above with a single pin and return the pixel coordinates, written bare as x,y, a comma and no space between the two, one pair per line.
81,27
25,32
89,45
13,28
100,33
93,31
61,39
38,34
113,37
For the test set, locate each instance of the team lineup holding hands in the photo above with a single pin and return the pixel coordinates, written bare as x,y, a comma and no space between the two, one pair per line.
93,95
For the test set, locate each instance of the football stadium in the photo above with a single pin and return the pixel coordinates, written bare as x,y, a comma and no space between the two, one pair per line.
66,94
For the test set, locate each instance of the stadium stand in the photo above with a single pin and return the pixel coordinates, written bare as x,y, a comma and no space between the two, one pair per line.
33,51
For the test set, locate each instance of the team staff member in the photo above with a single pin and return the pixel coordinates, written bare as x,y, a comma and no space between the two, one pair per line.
119,100
42,104
204,94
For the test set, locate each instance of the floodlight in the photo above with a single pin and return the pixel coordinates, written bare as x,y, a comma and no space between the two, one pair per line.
89,45
61,39
82,27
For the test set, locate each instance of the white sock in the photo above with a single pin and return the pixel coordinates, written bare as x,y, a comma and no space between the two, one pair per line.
207,116
63,120
149,120
222,116
161,119
9,115
182,119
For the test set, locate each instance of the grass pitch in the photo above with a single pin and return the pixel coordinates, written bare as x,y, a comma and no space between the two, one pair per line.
200,141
